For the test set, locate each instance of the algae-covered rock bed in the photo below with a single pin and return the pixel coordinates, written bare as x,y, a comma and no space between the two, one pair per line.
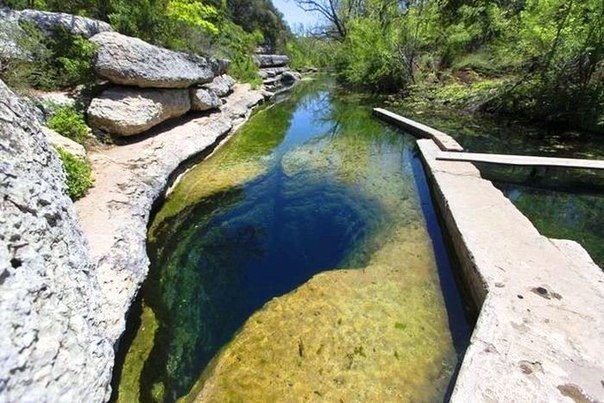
295,263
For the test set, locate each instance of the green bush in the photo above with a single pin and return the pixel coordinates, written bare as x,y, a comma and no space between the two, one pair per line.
59,61
79,174
68,122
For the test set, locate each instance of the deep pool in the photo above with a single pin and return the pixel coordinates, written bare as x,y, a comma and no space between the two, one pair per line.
298,263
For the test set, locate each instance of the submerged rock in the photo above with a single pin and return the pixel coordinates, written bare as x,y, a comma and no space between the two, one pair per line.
131,61
128,111
52,342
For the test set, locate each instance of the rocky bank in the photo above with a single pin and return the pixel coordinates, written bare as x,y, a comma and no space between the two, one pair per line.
69,274
275,74
53,340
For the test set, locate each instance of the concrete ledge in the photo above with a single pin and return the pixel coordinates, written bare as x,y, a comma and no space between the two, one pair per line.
444,141
540,332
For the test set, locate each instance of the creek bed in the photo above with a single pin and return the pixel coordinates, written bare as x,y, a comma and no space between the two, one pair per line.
301,261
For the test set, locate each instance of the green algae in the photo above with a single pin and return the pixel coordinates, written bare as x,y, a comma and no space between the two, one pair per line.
282,183
129,383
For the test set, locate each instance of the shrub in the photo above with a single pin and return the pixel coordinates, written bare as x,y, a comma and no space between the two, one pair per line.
79,174
66,121
51,62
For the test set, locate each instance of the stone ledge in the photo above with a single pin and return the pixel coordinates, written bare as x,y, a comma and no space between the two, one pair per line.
128,180
541,324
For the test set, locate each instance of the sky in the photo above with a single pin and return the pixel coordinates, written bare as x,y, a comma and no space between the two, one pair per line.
295,15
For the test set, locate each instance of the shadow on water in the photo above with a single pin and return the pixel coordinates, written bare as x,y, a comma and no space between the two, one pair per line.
461,312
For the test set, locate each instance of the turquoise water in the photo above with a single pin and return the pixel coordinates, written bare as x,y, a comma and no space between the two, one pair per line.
311,230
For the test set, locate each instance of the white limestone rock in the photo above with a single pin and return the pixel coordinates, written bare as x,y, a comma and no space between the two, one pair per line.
49,22
271,60
58,141
203,99
128,111
131,61
52,342
221,85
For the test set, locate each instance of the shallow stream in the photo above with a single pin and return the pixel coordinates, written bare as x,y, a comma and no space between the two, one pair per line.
302,261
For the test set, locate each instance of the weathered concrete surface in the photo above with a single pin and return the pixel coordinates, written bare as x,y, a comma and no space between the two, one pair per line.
128,179
539,335
444,141
52,342
522,160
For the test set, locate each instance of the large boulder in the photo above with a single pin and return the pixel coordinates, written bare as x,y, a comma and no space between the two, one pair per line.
221,85
16,44
49,22
129,111
131,61
203,99
52,346
271,60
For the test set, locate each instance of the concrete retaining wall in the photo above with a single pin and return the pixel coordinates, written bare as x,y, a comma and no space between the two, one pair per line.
540,331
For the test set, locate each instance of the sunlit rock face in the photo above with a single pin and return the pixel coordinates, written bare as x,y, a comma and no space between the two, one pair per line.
293,263
131,61
52,342
125,111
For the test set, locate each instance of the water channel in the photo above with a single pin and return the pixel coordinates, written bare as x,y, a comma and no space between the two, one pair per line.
302,261
562,203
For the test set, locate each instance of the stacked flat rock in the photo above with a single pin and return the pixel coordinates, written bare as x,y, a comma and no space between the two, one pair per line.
155,84
276,76
129,111
271,60
131,61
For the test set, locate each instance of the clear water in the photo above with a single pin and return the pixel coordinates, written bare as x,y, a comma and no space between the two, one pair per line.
296,263
562,203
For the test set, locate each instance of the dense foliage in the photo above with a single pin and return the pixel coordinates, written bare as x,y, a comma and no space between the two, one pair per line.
68,122
63,60
231,29
539,58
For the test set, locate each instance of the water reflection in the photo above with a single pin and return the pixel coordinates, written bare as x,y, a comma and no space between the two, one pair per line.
310,185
